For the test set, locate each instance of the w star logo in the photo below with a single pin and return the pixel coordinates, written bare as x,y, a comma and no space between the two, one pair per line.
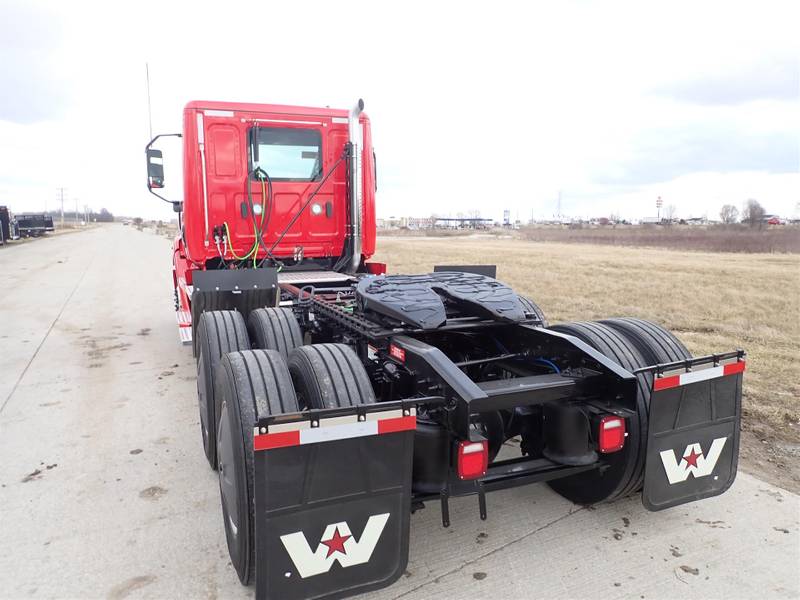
337,544
692,461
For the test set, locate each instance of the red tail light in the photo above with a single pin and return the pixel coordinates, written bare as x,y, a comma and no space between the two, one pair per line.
611,436
473,459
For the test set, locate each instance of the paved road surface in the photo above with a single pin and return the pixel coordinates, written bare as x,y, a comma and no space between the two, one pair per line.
105,491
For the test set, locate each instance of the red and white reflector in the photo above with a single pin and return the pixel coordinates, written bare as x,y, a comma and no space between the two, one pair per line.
397,353
611,434
334,428
672,381
473,459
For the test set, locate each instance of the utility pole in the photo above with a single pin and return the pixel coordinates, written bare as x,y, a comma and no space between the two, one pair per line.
559,205
149,110
61,197
76,212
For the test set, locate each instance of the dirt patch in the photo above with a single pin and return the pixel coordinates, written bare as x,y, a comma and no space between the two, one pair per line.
690,570
713,524
32,476
479,576
98,352
781,529
127,587
144,332
772,458
154,492
135,451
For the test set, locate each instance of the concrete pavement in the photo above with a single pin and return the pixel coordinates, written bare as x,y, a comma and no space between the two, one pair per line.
105,492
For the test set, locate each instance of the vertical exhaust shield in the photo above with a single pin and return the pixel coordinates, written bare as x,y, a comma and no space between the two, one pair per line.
356,135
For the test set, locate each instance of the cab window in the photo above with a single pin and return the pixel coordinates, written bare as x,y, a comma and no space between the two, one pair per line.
286,154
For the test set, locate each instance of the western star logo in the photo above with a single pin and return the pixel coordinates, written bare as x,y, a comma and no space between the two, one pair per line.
692,461
337,544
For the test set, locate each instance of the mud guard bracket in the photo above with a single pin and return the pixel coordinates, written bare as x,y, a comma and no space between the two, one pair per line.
693,438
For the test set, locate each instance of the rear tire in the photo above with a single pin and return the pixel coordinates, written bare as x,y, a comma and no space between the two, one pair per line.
532,309
249,382
275,329
656,344
626,467
329,376
218,332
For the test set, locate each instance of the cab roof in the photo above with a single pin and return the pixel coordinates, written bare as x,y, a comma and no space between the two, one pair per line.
266,108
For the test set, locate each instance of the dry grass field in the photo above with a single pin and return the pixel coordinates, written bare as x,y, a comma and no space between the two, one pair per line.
711,301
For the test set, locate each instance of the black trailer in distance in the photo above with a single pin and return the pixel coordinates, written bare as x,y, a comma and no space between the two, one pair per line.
356,405
34,224
5,225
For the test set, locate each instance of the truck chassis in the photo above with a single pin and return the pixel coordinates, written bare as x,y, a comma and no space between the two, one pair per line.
361,406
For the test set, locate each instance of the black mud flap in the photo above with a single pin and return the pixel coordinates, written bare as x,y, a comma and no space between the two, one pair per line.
693,439
332,502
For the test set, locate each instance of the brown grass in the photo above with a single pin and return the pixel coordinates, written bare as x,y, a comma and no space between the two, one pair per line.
712,301
778,239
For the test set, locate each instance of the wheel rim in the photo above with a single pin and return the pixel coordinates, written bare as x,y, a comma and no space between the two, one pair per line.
227,472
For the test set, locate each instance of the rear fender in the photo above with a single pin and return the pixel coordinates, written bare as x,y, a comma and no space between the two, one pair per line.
694,424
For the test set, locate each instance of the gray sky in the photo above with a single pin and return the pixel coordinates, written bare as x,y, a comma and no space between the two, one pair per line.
475,106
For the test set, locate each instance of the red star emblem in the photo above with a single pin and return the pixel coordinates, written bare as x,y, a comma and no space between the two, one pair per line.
691,458
336,543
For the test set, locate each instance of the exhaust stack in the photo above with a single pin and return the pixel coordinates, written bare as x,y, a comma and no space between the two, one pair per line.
356,135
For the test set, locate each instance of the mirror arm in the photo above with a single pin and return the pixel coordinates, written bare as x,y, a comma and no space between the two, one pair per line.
176,205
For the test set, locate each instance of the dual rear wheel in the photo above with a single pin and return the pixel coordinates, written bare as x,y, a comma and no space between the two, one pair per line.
259,382
632,343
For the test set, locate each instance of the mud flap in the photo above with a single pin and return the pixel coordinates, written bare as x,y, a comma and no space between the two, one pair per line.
332,503
693,438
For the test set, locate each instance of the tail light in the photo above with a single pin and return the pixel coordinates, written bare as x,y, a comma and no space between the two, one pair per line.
473,459
611,436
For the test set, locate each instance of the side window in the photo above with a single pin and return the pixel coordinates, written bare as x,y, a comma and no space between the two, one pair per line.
286,154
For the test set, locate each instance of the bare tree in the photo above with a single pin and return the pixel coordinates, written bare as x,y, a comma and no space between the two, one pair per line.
669,213
729,214
753,213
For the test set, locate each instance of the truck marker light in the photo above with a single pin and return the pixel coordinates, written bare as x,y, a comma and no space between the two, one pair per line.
473,459
611,437
397,353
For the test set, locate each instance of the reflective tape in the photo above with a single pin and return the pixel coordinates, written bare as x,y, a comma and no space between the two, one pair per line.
332,429
665,383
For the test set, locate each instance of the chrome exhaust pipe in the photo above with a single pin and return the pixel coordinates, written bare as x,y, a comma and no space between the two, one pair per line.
356,135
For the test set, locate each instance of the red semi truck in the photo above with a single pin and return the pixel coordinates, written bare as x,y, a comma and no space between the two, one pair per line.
335,399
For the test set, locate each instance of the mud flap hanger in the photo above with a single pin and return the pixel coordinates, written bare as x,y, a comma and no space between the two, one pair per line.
693,429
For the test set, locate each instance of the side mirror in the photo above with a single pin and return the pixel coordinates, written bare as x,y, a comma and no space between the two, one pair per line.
155,169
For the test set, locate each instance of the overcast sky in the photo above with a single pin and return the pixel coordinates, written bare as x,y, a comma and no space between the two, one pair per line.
479,106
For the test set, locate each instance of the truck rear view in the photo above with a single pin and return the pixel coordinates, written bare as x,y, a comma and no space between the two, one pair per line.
335,398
